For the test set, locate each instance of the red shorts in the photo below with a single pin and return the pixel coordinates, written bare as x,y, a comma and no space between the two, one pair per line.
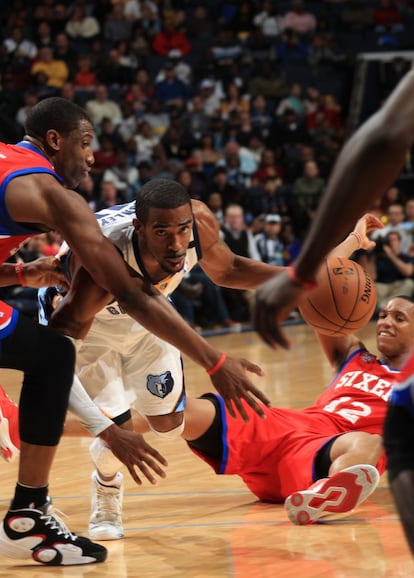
275,456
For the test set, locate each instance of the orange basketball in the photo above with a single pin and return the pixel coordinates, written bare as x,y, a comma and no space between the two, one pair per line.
344,299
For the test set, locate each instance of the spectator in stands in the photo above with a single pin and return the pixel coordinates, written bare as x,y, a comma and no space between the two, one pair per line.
19,46
408,222
221,184
62,50
85,78
308,188
171,92
170,38
30,99
43,35
116,26
194,183
54,13
200,24
300,21
108,196
147,143
294,101
82,28
386,17
233,101
183,70
269,242
105,157
56,71
114,74
395,222
266,82
103,107
87,190
214,202
260,115
195,119
241,241
323,50
268,21
268,168
291,242
290,47
123,175
157,117
177,142
225,50
137,10
211,97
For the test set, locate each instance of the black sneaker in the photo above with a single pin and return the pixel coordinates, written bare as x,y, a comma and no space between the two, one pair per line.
42,536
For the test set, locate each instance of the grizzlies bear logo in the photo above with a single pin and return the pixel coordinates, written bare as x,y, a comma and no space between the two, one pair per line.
160,385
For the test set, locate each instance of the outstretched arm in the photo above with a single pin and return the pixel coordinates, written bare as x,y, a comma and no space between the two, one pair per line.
367,165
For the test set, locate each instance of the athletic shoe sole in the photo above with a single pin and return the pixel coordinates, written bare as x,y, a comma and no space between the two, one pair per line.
339,494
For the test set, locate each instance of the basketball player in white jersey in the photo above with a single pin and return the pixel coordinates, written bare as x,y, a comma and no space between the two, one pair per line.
161,236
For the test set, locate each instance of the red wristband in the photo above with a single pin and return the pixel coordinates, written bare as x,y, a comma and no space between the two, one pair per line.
217,366
293,276
358,238
18,269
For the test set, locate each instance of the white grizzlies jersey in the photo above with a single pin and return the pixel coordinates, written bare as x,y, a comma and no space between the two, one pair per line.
120,363
116,225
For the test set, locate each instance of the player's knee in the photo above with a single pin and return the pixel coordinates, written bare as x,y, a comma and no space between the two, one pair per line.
105,461
167,426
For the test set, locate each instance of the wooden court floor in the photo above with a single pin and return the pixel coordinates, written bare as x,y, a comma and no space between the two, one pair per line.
195,524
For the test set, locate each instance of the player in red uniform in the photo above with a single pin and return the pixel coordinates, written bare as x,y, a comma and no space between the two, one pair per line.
370,162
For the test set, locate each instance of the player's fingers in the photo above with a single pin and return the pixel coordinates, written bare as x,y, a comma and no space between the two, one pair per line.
134,474
252,367
155,467
260,396
146,472
255,406
240,408
157,456
229,406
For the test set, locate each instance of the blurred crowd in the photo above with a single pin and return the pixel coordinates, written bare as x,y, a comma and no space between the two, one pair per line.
242,102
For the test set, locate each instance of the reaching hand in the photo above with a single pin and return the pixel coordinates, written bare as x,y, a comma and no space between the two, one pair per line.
45,272
275,299
365,225
233,385
132,450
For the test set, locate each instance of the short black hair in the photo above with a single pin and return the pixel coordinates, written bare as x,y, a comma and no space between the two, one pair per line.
160,194
54,113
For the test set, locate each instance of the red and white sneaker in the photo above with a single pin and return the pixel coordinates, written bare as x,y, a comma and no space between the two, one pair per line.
9,427
333,496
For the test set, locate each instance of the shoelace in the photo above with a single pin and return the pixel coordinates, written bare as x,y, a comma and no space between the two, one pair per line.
108,505
52,519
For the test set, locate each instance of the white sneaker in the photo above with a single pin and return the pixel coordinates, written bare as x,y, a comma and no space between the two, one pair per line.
333,496
106,509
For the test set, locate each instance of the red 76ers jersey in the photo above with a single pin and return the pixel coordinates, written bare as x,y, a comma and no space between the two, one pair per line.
15,161
358,395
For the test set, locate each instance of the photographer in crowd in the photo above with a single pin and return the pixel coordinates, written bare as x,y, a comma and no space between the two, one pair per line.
393,269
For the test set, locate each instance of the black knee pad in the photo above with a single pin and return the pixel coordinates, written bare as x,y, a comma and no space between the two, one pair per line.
47,359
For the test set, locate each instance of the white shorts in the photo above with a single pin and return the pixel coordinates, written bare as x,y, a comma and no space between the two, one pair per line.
121,366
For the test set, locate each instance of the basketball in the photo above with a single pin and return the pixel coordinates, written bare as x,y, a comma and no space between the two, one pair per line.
344,300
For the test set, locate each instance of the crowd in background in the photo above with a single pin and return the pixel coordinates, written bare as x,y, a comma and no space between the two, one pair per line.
244,103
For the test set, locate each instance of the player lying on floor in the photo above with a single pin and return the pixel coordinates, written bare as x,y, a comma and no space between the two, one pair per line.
281,457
